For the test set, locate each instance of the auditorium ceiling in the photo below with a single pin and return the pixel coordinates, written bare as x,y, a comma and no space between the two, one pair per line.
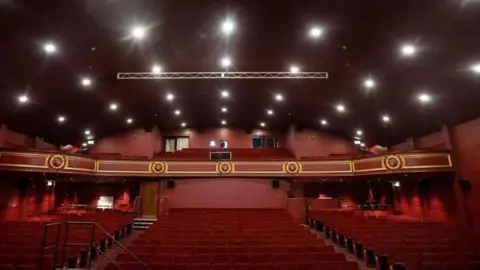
395,68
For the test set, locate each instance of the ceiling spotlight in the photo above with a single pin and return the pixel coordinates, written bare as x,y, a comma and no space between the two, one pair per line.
177,112
90,142
129,121
87,132
156,69
340,108
386,118
424,98
184,124
169,96
270,112
324,122
226,62
359,132
315,32
228,27
113,106
262,124
23,99
224,109
294,69
369,83
224,122
84,144
475,68
86,81
362,144
49,48
408,50
61,118
278,97
138,32
225,94
357,142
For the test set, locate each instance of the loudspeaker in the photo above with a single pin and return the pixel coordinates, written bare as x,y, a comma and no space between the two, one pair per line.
275,184
22,187
465,185
170,184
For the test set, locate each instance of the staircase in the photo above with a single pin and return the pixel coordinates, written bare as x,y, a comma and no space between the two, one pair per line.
143,223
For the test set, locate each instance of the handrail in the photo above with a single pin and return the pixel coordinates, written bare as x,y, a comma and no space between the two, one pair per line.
136,205
44,243
94,226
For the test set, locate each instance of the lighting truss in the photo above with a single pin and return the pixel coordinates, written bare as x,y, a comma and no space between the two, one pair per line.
219,75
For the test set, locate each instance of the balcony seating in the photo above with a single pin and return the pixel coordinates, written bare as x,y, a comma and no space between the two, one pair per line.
230,240
415,244
237,154
21,241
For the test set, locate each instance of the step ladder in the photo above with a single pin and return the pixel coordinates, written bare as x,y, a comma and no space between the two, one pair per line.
143,223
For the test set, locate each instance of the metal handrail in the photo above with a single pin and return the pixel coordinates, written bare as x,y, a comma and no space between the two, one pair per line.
136,205
96,226
44,243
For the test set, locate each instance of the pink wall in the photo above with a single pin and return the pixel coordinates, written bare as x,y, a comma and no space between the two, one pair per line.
309,143
431,141
237,138
226,193
133,143
40,143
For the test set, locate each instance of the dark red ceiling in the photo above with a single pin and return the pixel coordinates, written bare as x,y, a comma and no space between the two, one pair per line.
361,39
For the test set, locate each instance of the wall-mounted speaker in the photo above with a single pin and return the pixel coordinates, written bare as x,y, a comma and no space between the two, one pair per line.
465,185
275,184
170,184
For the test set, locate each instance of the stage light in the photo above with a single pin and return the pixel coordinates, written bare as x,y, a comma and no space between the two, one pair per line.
386,118
340,108
359,132
228,26
396,184
61,118
475,68
50,48
408,50
294,69
369,83
170,97
226,62
90,142
224,122
262,124
113,106
138,32
177,112
362,144
323,122
278,97
315,32
225,94
129,121
156,69
23,99
50,183
184,124
357,142
424,98
86,82
270,112
87,132
224,109
84,144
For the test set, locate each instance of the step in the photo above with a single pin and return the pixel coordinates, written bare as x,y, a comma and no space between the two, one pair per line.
143,223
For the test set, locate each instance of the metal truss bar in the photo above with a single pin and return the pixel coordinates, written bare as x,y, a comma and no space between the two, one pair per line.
219,75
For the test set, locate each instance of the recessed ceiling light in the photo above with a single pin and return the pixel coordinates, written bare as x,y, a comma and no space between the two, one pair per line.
23,99
170,97
475,68
226,62
369,83
278,97
408,50
50,48
315,32
177,112
224,109
340,108
113,106
84,144
262,124
359,132
386,118
90,142
61,118
129,120
184,124
156,69
228,26
357,142
225,94
270,112
224,122
324,122
87,132
294,69
424,97
86,81
138,32
362,144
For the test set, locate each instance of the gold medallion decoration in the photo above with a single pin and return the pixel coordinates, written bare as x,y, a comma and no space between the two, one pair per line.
392,162
158,167
225,167
57,162
291,167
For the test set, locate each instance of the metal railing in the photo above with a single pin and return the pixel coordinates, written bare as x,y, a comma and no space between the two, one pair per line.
137,205
92,243
58,225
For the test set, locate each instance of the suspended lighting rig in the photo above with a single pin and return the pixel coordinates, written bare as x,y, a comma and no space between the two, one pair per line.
219,75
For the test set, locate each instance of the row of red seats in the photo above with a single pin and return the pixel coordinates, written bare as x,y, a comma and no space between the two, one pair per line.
229,249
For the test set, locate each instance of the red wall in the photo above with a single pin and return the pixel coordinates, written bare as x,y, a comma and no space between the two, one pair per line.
237,138
225,193
133,143
434,140
10,138
310,143
350,192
